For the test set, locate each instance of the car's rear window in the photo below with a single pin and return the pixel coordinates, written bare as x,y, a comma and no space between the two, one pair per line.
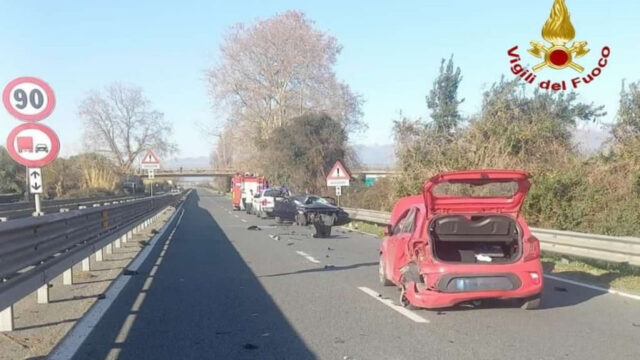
493,189
273,193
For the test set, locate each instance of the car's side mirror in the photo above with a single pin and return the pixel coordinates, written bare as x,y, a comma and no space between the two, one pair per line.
386,230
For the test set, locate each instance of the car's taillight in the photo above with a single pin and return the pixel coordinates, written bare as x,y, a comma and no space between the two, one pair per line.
531,248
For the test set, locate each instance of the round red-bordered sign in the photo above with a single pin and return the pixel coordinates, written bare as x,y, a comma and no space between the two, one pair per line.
28,99
26,142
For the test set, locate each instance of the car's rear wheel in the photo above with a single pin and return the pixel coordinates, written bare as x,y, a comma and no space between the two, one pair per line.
301,219
531,303
382,273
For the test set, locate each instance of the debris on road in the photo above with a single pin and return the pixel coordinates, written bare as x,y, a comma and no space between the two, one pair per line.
254,227
249,346
559,288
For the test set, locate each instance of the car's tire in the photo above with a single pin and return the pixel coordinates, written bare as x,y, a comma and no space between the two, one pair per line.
531,303
404,301
382,273
301,219
325,231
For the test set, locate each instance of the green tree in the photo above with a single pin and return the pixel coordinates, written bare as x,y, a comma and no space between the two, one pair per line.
443,99
302,153
628,117
11,174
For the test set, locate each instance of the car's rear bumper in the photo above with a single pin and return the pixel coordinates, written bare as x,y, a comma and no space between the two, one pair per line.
527,280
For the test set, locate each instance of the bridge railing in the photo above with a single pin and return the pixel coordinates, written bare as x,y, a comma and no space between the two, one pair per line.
593,246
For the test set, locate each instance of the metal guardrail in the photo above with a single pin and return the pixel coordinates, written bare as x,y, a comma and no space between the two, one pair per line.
10,198
33,251
22,209
593,246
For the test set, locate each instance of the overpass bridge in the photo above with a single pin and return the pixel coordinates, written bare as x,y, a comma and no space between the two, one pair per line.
358,173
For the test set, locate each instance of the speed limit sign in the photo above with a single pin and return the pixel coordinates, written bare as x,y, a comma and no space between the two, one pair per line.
28,99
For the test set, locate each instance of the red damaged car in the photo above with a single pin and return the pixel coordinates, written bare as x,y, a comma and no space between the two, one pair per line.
463,240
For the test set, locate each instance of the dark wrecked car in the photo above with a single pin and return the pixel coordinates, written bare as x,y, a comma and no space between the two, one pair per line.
310,209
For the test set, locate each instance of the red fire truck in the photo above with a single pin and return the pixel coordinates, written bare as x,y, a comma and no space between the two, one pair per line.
244,187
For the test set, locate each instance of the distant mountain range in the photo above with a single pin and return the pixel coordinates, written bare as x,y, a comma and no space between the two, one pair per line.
378,156
375,156
192,163
589,140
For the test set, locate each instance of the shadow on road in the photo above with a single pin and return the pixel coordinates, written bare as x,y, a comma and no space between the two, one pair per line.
203,302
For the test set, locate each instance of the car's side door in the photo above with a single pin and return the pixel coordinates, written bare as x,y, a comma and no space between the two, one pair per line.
397,243
289,209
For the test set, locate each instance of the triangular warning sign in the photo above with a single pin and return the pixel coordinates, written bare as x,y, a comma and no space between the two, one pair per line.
150,158
338,172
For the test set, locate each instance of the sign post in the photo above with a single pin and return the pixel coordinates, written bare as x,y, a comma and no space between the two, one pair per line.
150,162
35,185
338,177
33,145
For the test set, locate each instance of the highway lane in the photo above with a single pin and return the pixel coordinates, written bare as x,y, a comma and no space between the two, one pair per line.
224,292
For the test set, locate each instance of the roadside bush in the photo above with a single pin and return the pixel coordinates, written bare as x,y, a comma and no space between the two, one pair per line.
88,192
380,196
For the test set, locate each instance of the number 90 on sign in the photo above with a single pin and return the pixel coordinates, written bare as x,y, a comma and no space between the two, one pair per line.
28,99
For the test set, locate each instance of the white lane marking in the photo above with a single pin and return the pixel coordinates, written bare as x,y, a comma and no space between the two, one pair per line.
406,312
236,215
308,257
593,287
243,220
70,344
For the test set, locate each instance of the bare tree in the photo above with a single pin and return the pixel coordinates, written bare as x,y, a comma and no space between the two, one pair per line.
121,123
275,69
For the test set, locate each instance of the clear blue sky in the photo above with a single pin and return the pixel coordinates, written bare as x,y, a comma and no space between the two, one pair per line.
391,52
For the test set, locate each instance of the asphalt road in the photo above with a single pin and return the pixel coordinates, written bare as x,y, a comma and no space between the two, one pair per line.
222,291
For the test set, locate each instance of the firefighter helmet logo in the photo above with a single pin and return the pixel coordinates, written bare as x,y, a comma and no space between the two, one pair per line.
558,31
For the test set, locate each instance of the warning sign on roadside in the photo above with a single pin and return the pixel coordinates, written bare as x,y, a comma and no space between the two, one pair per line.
338,176
150,161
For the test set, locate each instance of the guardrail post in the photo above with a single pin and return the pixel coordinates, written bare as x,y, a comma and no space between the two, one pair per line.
67,276
117,244
43,294
109,248
99,255
130,235
6,319
86,264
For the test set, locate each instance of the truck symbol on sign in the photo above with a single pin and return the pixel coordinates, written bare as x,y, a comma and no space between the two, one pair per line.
25,144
